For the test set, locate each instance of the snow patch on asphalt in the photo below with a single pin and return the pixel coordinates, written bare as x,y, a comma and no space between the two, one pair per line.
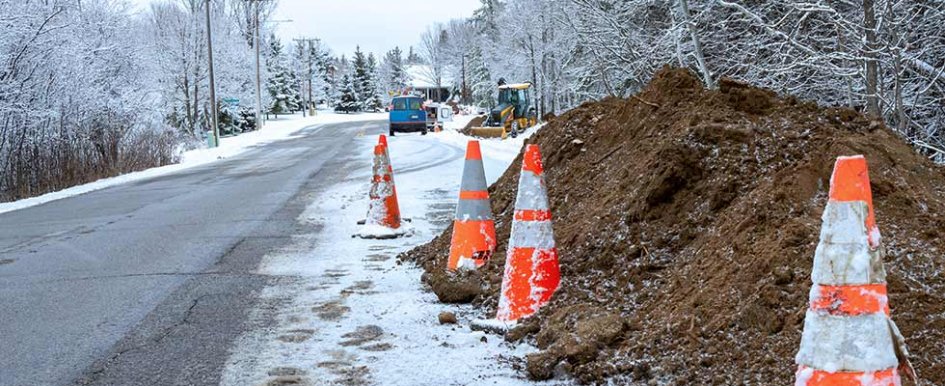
371,320
275,130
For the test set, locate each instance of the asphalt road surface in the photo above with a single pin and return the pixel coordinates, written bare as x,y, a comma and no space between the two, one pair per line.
149,283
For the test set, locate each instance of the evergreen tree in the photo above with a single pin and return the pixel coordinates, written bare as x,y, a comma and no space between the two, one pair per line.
373,98
486,17
326,70
348,100
396,73
479,79
321,82
300,65
375,104
362,76
413,57
282,84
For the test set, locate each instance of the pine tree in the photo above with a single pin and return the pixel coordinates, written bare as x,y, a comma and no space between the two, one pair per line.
282,84
362,76
486,17
326,70
413,57
321,63
372,98
480,80
397,73
348,101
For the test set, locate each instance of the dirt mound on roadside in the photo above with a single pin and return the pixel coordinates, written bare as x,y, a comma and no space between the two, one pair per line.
475,122
693,216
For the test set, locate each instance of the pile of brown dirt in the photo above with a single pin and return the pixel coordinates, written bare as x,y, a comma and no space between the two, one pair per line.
693,215
475,122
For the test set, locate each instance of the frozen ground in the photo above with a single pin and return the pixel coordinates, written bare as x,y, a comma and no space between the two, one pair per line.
274,130
347,313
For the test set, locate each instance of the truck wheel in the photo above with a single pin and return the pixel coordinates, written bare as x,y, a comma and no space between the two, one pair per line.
391,131
424,132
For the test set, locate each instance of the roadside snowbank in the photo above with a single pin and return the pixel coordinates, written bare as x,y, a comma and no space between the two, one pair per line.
497,154
274,130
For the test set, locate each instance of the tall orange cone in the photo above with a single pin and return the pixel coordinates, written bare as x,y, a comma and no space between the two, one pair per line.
383,217
473,227
848,337
531,264
382,140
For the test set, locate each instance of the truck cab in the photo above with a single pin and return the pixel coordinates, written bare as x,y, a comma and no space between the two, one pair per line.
407,115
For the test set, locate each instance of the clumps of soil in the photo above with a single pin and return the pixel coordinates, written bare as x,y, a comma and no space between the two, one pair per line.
574,336
475,122
447,317
461,286
691,216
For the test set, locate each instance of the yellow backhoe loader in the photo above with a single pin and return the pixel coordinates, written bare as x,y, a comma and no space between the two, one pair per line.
513,114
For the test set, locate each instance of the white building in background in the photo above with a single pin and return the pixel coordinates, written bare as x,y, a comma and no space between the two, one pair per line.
423,82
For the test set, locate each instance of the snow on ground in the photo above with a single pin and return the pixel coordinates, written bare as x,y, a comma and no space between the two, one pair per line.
274,130
497,154
347,313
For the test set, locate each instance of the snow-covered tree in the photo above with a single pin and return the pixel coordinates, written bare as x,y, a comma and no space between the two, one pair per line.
413,57
348,99
478,79
372,101
319,57
282,84
392,73
362,76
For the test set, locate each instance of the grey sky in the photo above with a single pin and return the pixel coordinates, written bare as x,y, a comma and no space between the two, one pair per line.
377,25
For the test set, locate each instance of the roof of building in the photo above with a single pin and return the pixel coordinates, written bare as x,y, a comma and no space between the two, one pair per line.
517,86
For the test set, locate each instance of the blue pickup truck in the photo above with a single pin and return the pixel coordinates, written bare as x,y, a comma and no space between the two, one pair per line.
407,115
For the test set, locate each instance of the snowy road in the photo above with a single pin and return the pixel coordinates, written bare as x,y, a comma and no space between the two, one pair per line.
243,272
346,313
148,283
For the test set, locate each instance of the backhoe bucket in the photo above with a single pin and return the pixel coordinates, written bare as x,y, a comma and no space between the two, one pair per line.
488,132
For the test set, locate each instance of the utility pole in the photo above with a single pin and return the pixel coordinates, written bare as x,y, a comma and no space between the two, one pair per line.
213,96
256,22
308,60
311,103
259,117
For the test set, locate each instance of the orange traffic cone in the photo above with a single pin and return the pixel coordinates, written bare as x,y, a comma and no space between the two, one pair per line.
473,227
531,265
382,140
383,217
848,337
